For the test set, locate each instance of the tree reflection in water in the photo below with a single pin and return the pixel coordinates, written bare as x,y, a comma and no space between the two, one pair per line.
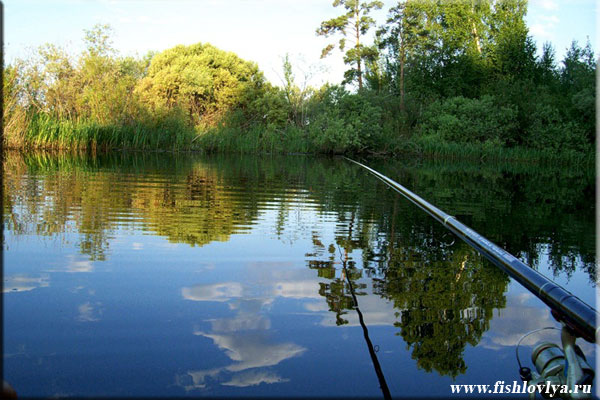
444,296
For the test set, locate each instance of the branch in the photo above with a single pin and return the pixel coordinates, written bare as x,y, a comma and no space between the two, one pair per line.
327,50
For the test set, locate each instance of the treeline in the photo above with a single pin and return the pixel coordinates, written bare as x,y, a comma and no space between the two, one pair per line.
442,77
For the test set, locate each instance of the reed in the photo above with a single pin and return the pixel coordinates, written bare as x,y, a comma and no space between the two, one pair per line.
45,131
255,140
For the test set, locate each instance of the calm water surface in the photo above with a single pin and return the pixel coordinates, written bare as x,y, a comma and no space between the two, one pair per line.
157,275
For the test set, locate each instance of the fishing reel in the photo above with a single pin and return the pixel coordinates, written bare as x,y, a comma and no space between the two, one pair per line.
561,372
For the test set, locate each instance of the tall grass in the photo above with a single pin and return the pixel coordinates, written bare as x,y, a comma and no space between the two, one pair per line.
45,131
256,139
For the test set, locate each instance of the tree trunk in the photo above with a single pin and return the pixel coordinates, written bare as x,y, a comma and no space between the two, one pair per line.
475,34
476,38
358,55
402,60
360,83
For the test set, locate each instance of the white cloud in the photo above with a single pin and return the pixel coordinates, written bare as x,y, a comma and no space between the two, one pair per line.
316,307
244,338
198,378
543,21
242,322
254,378
267,282
307,289
253,350
544,26
24,283
251,353
541,30
79,266
88,312
75,266
515,320
550,19
76,289
216,292
550,5
518,318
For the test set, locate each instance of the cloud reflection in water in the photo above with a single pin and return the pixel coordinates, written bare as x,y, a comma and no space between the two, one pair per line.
24,283
245,337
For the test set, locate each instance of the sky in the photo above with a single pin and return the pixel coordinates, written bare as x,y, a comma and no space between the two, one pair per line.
258,30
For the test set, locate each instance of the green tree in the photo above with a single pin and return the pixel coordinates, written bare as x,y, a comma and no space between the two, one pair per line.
202,80
546,66
95,86
579,66
344,122
106,83
353,25
14,115
436,49
297,96
401,35
578,88
511,50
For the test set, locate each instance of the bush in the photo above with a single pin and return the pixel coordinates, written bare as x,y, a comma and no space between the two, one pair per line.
344,122
463,120
549,131
270,108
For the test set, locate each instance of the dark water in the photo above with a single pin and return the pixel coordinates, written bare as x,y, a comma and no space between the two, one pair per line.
156,275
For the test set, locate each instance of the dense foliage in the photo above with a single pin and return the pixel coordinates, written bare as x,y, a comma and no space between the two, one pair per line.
444,78
202,81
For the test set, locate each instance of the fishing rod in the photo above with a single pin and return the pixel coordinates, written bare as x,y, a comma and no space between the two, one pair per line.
567,308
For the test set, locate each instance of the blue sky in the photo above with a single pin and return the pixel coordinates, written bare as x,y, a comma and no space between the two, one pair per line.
259,30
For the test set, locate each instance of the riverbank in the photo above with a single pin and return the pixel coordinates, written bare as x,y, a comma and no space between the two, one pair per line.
44,132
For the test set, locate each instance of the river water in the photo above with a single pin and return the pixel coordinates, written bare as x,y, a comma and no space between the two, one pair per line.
187,275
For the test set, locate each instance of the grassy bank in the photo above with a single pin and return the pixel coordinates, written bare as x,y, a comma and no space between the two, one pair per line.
48,133
294,140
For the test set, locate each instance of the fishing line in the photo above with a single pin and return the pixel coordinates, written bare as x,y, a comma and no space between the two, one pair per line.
382,382
528,334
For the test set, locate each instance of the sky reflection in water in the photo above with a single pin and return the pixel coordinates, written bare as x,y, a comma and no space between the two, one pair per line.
136,275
